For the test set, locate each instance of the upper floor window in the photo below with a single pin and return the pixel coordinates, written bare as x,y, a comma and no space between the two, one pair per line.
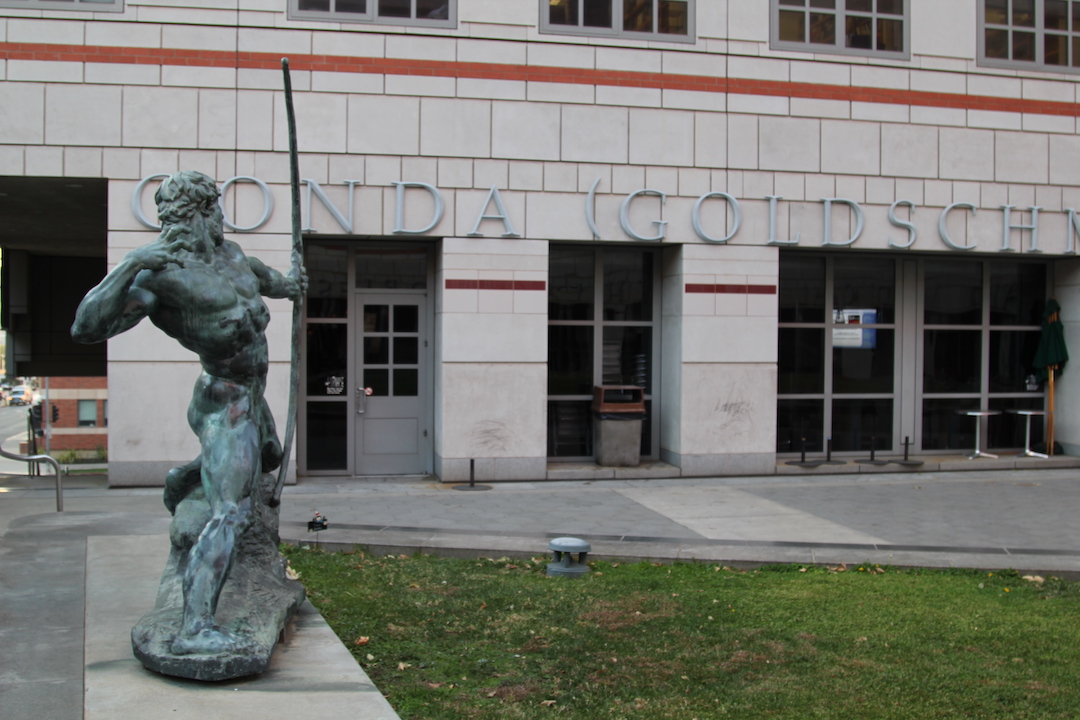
638,19
437,13
85,5
1030,34
873,28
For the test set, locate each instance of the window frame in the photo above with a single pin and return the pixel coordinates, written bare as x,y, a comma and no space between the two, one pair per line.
837,48
1039,30
110,6
614,32
79,421
371,17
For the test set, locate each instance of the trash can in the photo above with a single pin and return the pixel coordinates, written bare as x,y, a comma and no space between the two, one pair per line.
617,414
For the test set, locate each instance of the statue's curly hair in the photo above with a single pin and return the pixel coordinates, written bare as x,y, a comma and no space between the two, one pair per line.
185,193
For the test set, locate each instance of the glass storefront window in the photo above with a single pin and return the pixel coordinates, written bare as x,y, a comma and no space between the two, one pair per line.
951,361
615,345
327,441
864,290
572,279
628,285
802,288
894,366
865,368
328,281
801,366
862,425
1017,293
953,292
798,425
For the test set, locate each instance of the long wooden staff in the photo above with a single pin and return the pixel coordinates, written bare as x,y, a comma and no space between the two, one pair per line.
296,272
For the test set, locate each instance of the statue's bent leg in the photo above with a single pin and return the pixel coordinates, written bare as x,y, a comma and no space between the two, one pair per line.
230,464
271,446
180,481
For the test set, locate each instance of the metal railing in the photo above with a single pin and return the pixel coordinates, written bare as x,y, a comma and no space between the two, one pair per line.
42,458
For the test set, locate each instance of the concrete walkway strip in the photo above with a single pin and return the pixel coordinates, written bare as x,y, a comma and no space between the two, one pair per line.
311,675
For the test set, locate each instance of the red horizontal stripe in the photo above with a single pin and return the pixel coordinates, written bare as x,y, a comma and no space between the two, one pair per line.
452,284
698,288
528,73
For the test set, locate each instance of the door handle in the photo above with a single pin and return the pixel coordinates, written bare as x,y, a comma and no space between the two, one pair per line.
361,399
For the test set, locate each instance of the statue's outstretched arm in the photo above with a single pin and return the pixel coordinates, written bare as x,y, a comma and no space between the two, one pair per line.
274,284
118,303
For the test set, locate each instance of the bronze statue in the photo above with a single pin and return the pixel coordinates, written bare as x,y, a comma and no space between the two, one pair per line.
202,290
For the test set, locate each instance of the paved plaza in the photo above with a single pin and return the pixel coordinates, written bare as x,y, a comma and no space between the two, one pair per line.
72,583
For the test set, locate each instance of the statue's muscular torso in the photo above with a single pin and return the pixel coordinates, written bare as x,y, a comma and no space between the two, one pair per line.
213,306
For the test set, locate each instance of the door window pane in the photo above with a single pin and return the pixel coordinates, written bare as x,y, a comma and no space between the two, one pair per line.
801,361
953,292
326,436
865,369
952,360
406,318
327,353
378,380
570,358
376,351
406,382
572,279
406,350
376,318
628,278
862,425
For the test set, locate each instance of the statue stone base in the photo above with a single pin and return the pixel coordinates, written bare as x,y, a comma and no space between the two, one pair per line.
257,600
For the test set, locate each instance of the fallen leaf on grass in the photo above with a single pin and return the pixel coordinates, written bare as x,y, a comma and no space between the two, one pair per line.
403,666
483,605
292,574
547,703
362,640
435,686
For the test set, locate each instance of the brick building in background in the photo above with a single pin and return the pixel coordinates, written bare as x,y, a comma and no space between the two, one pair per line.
82,425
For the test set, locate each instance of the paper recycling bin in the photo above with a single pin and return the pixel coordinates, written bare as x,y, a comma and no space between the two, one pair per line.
617,414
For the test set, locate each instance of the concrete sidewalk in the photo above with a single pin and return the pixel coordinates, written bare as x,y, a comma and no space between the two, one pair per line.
66,641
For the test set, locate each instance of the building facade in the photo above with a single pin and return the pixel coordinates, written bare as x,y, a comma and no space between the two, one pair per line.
798,225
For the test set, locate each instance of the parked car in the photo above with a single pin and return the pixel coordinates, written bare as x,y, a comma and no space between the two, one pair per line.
20,395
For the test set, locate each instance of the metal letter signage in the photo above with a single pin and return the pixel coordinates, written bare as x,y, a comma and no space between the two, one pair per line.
773,201
399,205
700,215
943,229
736,214
860,221
1008,227
624,216
493,194
909,226
345,223
268,203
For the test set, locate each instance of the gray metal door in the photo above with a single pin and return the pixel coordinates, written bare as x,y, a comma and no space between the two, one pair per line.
392,428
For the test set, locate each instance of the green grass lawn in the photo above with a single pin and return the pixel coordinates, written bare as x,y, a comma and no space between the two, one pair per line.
499,639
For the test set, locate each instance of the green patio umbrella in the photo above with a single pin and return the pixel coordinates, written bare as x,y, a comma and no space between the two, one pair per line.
1049,358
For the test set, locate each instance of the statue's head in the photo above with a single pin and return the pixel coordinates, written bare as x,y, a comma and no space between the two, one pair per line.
187,194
